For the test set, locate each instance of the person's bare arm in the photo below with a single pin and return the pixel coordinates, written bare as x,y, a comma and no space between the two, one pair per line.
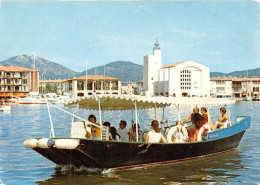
163,139
186,119
224,118
147,136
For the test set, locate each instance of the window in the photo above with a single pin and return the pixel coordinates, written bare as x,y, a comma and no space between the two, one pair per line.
185,80
80,86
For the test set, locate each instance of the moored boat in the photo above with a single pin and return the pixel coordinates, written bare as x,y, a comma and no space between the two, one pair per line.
80,151
52,98
5,107
32,98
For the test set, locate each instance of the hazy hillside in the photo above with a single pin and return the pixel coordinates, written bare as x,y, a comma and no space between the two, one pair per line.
127,71
239,74
48,69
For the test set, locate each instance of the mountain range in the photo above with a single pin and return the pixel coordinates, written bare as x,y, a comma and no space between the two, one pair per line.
48,69
126,70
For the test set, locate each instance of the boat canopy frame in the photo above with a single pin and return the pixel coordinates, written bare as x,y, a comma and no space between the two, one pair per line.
133,102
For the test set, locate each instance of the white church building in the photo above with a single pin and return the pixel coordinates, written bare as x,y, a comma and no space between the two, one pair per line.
183,79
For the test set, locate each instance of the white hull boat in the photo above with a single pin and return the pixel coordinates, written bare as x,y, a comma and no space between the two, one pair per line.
5,108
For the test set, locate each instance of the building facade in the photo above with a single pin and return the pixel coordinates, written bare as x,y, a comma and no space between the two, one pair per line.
235,87
76,87
18,81
95,84
130,89
183,79
58,85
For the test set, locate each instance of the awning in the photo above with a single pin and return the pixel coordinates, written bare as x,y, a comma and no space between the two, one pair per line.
126,102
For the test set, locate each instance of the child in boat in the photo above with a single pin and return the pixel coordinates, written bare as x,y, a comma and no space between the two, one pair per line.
207,117
179,135
154,136
114,136
223,119
132,133
95,130
165,127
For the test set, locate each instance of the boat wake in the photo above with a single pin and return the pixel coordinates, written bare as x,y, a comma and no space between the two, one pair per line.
64,169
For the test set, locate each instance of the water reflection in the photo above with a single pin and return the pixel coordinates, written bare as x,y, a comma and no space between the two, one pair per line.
217,168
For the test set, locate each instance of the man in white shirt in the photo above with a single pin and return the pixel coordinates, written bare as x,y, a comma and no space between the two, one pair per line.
122,131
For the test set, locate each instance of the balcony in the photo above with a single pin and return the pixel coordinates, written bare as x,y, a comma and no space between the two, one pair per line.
114,88
236,86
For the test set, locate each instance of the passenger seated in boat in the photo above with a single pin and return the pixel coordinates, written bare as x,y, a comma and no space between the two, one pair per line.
179,136
95,130
154,136
132,133
165,126
107,126
122,131
190,117
207,117
223,119
199,121
114,136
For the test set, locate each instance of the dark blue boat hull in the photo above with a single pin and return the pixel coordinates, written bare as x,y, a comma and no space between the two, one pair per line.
113,154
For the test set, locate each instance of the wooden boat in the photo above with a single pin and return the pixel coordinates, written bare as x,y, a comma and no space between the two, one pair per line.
80,151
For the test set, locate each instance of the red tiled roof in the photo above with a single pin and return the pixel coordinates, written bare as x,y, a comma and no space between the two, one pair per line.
53,81
96,77
172,65
236,79
220,79
245,79
15,69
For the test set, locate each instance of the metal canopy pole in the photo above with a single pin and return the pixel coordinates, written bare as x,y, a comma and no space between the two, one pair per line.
179,118
52,134
163,113
209,117
162,126
155,110
100,116
136,122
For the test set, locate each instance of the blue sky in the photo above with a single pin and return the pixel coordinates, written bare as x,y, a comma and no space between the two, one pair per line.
223,35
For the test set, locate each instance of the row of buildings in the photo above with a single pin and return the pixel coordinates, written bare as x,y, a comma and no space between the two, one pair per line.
19,81
183,79
190,79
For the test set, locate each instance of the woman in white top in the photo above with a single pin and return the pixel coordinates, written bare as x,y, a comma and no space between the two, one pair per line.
155,136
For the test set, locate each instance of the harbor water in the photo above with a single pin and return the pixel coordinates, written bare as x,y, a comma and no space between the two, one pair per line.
19,165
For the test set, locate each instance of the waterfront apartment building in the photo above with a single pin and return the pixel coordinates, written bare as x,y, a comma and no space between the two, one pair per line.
235,87
98,84
17,81
76,87
183,79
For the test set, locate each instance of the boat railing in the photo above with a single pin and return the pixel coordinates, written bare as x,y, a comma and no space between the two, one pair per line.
78,128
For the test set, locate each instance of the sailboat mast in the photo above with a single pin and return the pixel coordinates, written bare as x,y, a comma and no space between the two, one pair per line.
86,78
33,80
104,86
95,87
